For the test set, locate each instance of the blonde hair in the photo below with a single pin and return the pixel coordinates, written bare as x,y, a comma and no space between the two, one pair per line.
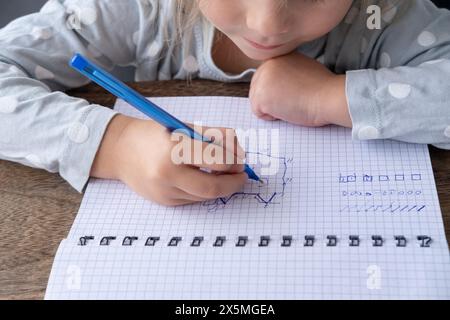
186,14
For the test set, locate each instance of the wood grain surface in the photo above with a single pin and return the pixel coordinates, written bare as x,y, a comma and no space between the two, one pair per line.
37,208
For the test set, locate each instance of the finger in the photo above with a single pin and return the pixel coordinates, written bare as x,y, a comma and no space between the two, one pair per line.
257,111
178,194
167,197
171,200
208,185
223,155
256,108
267,117
178,202
214,157
227,138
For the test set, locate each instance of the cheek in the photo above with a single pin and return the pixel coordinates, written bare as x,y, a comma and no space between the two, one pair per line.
222,15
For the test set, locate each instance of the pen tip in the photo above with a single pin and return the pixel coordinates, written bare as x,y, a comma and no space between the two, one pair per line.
261,181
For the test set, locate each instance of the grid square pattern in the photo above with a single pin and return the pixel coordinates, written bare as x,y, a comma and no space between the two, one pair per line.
327,184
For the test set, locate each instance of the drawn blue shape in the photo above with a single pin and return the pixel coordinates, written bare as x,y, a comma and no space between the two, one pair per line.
367,178
269,193
399,177
405,207
421,208
416,177
383,178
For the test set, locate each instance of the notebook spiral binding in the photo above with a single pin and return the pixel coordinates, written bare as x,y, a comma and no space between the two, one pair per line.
264,241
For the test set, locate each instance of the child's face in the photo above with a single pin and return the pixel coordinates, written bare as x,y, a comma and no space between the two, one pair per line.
278,26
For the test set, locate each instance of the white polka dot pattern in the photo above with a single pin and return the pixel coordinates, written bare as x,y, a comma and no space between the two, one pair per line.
368,133
190,64
41,33
385,60
78,16
78,132
426,39
8,104
43,74
153,50
400,90
447,132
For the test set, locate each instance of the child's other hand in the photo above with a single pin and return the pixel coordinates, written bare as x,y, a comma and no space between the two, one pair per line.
300,90
139,152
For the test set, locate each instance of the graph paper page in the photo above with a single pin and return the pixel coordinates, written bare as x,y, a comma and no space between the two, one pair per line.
326,187
251,272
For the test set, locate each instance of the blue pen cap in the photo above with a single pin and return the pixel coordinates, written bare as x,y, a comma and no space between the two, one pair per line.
78,62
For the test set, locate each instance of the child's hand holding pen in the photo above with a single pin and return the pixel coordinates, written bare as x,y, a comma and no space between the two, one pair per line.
140,153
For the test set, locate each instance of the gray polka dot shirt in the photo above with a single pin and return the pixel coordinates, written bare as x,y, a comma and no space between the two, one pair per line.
398,75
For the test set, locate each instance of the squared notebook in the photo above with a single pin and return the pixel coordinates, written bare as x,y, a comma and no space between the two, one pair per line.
341,219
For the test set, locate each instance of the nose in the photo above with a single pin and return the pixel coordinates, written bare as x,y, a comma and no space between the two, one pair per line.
268,18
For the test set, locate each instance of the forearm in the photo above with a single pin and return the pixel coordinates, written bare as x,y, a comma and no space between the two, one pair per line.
106,164
404,103
48,130
335,105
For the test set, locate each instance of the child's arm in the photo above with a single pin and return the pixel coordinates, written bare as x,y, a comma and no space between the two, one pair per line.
404,91
393,92
40,126
53,131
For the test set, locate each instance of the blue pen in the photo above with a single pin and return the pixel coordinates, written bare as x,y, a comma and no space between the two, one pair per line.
121,90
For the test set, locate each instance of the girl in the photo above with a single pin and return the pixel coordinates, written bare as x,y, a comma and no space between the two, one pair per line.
383,70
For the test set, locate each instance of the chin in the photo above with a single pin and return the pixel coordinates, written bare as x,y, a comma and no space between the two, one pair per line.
262,55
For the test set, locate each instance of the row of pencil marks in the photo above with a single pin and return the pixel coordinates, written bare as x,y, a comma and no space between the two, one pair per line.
381,193
382,177
384,208
264,241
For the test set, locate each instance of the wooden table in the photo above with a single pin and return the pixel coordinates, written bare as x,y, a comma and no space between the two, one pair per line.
37,208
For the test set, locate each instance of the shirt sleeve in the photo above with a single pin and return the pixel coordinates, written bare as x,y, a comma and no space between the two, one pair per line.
402,88
41,126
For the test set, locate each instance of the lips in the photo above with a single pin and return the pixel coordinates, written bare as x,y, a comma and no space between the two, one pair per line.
261,46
